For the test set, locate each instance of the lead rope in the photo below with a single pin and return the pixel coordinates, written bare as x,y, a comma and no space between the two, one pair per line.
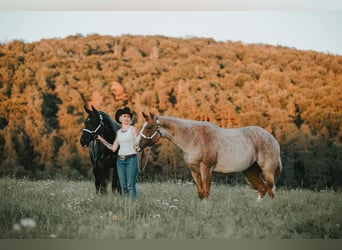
142,156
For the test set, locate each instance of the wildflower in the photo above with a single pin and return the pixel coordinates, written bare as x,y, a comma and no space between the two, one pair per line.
115,217
173,206
28,223
156,216
16,227
53,236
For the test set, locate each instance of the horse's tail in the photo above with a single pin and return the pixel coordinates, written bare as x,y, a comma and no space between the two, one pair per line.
278,170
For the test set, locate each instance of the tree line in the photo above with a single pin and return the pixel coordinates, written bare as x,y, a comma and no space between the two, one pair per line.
296,95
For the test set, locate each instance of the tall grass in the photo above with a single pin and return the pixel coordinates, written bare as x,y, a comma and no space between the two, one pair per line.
71,209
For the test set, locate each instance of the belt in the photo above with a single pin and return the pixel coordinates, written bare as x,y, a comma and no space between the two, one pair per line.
125,157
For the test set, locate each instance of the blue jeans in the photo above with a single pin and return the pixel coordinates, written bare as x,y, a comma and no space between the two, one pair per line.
128,173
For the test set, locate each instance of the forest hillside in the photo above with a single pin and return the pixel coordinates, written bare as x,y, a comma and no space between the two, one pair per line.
296,95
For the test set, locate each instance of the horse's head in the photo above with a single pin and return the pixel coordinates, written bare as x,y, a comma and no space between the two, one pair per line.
92,126
150,131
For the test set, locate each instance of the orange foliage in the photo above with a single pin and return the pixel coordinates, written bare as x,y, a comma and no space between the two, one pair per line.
229,83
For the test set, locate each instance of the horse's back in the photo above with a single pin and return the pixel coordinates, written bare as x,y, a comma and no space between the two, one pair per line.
238,148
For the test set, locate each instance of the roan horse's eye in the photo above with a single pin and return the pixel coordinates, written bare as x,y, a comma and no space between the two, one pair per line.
149,127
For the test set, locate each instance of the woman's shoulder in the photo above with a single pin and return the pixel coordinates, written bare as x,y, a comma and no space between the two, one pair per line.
133,128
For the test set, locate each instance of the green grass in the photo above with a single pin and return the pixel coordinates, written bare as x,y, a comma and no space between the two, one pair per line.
71,209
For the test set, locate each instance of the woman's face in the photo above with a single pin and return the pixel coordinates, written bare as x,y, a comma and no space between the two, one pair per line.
125,119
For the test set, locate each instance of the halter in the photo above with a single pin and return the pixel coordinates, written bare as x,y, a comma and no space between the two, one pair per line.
97,128
149,138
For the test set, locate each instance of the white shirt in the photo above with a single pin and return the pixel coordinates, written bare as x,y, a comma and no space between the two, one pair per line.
126,142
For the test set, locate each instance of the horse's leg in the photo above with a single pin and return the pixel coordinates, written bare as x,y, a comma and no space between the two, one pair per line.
206,179
105,177
269,172
115,181
114,187
269,178
253,176
103,185
278,171
97,180
199,184
100,178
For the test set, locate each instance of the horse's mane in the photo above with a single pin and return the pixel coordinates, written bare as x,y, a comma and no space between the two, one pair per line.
187,122
113,125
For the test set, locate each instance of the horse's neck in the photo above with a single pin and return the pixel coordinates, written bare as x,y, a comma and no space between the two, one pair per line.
176,130
108,132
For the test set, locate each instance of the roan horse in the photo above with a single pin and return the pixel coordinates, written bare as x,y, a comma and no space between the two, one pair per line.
207,147
103,160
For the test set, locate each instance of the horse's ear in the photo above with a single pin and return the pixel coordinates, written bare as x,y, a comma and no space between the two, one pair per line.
145,116
86,109
152,115
95,110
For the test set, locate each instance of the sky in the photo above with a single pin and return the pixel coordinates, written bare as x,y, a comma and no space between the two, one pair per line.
315,28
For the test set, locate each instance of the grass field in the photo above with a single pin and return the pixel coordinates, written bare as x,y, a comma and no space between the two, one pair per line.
71,210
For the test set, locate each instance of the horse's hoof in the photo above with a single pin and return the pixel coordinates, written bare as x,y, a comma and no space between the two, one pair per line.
259,199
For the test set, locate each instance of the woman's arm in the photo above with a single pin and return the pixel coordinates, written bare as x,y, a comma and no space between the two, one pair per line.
112,147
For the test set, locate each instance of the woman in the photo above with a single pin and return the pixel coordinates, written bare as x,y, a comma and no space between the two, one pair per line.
127,162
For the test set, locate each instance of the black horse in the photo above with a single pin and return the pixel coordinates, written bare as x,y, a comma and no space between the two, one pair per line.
103,160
